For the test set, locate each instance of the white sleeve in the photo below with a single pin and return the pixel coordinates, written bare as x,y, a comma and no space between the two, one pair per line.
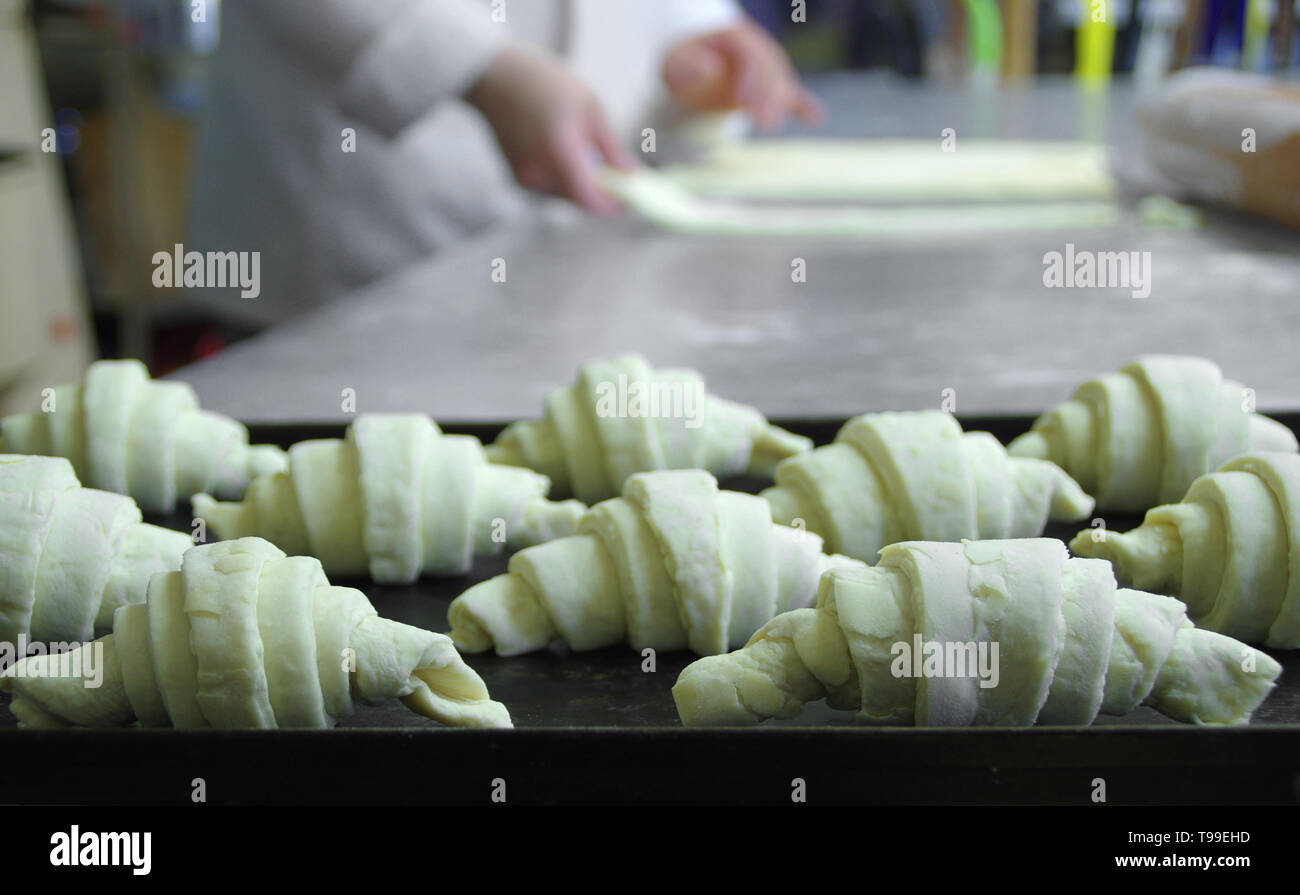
690,18
393,59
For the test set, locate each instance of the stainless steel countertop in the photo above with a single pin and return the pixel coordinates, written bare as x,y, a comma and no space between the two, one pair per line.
877,325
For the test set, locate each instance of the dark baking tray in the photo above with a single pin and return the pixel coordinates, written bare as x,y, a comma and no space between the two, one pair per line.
595,728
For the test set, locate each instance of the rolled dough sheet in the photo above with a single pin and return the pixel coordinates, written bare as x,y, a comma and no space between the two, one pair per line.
899,171
673,207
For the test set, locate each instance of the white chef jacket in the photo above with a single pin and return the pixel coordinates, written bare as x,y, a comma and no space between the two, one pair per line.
291,75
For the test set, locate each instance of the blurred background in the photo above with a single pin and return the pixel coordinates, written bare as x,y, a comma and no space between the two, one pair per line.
99,103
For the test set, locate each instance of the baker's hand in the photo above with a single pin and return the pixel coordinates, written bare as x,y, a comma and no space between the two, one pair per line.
547,121
739,68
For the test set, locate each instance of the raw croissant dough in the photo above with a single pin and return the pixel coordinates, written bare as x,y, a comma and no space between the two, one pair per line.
674,563
916,476
394,498
894,170
69,556
672,207
588,444
245,637
1137,438
130,435
1230,549
1069,646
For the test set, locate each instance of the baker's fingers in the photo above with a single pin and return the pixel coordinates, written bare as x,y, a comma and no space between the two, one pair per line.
611,150
576,178
535,175
808,108
746,65
775,94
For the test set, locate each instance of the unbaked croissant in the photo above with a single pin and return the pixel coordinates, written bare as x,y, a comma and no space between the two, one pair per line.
1230,549
673,563
1137,438
394,498
69,556
245,637
128,434
622,417
892,477
980,633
